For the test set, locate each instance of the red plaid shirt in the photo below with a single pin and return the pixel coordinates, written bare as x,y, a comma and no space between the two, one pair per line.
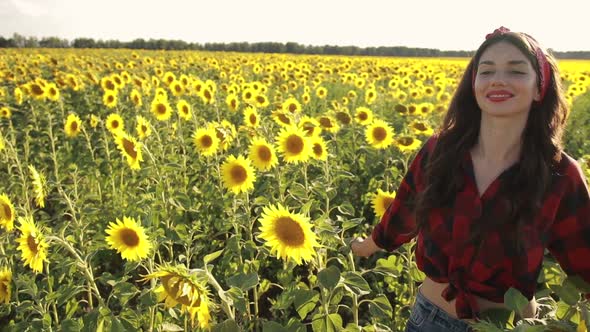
562,225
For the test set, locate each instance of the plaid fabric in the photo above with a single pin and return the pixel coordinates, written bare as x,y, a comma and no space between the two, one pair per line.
562,225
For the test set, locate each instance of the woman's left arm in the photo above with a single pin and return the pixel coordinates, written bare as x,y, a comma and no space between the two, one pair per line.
569,240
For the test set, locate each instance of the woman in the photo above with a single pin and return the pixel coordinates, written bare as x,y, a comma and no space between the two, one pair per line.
490,190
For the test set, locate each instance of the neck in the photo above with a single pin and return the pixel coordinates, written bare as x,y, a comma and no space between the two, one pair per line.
500,139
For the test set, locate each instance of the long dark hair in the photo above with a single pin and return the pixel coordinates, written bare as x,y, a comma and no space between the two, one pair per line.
525,186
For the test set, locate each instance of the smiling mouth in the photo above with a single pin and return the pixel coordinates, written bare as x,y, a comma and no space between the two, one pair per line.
498,97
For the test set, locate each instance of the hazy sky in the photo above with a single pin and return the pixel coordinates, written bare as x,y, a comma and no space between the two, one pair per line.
562,25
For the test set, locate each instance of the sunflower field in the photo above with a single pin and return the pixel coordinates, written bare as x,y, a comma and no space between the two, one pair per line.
195,191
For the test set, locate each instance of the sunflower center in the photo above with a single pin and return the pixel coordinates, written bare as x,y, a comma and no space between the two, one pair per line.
289,232
379,133
52,92
295,144
129,237
405,141
37,90
239,174
363,116
252,119
387,202
74,126
115,124
420,126
317,149
32,244
7,212
284,119
206,141
292,108
129,148
110,99
143,128
264,153
325,122
161,109
185,109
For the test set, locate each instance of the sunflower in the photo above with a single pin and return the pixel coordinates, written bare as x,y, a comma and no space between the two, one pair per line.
5,284
6,213
73,125
135,97
108,84
94,121
32,244
291,105
115,123
18,96
262,154
37,90
130,148
52,92
310,125
143,127
206,141
109,99
1,143
251,117
319,148
343,117
363,116
225,132
232,102
208,96
407,143
289,235
181,287
424,109
379,134
184,109
328,123
370,96
381,202
421,128
5,112
294,145
261,101
238,174
128,238
282,118
321,92
161,109
39,184
176,88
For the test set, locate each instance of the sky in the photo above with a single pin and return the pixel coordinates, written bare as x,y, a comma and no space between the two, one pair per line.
562,25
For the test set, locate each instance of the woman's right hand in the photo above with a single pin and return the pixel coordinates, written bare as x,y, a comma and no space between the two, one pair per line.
364,247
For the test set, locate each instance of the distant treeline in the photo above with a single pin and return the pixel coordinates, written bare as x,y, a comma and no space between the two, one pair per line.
20,41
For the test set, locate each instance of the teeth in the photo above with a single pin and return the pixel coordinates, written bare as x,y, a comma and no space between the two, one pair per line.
499,96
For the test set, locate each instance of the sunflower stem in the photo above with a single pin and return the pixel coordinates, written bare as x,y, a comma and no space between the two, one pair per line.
224,300
50,286
82,264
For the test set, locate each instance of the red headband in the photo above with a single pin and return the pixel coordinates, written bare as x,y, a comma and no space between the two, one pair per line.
544,66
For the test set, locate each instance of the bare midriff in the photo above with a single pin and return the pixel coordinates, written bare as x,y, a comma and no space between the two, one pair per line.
432,291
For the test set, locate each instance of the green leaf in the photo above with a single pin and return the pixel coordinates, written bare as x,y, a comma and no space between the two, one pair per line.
272,327
391,266
170,327
305,301
124,291
212,256
329,277
579,283
497,316
244,281
346,208
227,326
515,301
336,322
354,282
116,325
70,325
567,292
380,307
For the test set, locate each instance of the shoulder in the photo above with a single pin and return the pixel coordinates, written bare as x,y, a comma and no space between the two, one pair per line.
569,169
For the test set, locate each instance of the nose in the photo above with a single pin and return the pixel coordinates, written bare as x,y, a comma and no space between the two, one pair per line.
497,79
